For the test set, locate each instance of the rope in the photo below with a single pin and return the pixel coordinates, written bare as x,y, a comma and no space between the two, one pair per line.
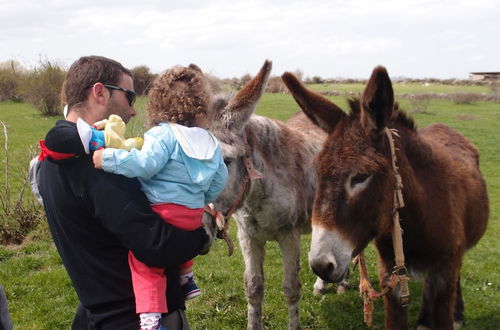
397,233
399,274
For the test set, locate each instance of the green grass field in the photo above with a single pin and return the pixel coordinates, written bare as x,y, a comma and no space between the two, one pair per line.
41,296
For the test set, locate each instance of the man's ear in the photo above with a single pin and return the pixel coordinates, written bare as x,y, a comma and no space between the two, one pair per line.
99,94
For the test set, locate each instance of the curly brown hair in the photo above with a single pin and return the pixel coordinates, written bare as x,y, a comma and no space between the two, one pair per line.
181,95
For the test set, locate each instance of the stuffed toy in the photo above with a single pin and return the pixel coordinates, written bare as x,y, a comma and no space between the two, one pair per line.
107,133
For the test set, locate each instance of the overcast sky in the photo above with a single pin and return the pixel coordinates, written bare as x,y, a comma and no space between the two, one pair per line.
327,38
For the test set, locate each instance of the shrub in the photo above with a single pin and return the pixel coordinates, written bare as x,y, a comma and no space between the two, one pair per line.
238,83
317,80
245,79
41,87
495,91
214,82
275,85
419,103
10,77
142,79
22,214
235,83
464,98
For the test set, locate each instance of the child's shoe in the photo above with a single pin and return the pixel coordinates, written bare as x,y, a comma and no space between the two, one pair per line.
190,289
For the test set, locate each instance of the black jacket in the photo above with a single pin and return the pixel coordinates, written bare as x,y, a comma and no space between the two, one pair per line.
95,218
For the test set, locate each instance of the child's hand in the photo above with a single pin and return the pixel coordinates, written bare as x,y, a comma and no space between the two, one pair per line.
100,124
97,158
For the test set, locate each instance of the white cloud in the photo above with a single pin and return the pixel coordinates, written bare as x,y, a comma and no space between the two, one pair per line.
476,58
229,38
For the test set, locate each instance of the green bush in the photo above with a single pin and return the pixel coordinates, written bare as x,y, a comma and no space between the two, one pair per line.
317,80
41,87
276,85
142,79
18,214
215,83
10,77
464,98
419,103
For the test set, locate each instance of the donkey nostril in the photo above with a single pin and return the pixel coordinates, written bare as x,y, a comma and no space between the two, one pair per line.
323,270
329,268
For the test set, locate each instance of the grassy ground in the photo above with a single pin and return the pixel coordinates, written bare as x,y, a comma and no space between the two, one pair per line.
41,296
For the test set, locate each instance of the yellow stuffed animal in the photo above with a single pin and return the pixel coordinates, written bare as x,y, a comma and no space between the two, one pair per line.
114,135
108,133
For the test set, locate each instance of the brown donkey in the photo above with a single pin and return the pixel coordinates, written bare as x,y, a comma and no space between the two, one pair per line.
446,203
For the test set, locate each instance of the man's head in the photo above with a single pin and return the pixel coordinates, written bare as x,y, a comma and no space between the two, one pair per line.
181,95
96,87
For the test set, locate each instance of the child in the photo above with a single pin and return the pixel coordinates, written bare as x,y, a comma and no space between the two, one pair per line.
181,169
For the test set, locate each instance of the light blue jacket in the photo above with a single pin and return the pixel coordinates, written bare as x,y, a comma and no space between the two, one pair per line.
176,164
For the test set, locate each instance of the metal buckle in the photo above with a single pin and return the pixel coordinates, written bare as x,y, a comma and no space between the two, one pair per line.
400,271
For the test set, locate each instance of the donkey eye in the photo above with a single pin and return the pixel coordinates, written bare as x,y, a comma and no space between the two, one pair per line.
359,178
227,161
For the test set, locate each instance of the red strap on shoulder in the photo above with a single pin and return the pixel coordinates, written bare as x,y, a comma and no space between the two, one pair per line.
45,152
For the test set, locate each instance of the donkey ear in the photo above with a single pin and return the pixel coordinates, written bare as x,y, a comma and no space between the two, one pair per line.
377,101
241,106
322,112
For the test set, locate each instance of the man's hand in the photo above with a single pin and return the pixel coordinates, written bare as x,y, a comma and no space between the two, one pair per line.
97,158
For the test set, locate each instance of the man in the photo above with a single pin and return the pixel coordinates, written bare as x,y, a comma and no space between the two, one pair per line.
96,218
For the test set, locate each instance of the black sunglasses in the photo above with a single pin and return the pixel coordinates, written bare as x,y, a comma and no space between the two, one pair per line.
130,94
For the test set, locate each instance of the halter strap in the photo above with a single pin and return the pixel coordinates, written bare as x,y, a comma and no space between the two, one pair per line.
397,232
399,274
222,219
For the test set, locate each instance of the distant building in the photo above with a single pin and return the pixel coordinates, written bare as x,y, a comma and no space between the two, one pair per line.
484,76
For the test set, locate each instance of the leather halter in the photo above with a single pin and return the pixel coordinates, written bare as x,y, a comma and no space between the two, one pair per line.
399,273
222,219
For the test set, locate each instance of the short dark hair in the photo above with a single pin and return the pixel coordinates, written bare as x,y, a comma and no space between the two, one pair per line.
85,72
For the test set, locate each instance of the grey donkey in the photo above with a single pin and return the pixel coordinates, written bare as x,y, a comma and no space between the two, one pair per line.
270,190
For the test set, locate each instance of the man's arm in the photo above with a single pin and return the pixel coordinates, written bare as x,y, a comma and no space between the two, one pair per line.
123,209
